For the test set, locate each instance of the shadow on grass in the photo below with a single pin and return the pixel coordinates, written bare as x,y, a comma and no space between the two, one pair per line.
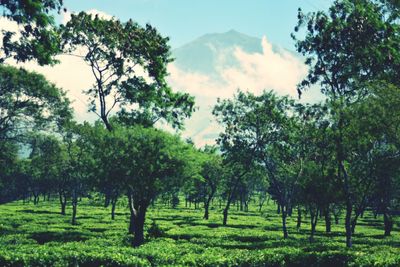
97,230
39,211
63,237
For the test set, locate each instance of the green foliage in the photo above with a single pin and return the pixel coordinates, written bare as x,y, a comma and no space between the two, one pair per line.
38,38
28,101
129,66
146,161
353,43
39,236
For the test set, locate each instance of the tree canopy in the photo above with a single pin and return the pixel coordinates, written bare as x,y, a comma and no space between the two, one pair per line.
129,64
36,37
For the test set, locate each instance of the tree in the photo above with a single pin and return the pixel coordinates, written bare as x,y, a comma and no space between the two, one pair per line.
46,159
28,101
109,167
236,145
8,162
128,63
211,172
79,163
354,43
318,181
150,162
376,156
258,130
37,37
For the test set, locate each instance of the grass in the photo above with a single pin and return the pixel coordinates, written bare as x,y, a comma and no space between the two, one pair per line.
39,236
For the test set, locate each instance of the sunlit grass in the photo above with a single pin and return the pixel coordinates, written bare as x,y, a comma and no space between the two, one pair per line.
39,235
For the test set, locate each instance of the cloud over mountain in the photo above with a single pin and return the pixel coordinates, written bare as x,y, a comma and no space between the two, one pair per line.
217,65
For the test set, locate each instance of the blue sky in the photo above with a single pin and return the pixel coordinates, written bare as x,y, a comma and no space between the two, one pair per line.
185,20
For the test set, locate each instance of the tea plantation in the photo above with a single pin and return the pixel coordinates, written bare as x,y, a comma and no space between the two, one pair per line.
39,236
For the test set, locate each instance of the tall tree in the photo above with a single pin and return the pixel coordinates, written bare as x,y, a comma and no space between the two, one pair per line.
211,173
258,130
128,63
79,166
46,160
150,163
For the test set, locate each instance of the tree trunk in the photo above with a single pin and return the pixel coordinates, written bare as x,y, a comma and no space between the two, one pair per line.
289,211
313,220
113,205
136,222
35,198
342,173
74,207
336,219
298,218
63,202
284,216
387,219
328,221
107,199
230,198
348,225
207,205
261,203
376,214
336,214
225,212
278,209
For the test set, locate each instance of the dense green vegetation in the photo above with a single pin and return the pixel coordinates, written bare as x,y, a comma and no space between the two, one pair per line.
286,183
39,235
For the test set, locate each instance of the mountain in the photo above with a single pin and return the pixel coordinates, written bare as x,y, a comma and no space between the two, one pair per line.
216,65
211,51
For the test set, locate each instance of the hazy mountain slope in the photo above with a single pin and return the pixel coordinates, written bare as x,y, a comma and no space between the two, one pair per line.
210,52
216,65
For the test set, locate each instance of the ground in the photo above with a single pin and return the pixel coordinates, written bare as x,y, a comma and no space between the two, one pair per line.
40,236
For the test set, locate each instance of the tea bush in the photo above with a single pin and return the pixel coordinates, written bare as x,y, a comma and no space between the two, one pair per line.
40,236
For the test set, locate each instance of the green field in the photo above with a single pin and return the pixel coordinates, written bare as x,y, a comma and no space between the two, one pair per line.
40,236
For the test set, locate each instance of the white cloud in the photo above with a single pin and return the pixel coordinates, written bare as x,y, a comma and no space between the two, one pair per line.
280,71
66,16
101,14
270,70
72,74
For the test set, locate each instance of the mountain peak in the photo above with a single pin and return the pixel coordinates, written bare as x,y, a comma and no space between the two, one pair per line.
206,52
232,31
232,36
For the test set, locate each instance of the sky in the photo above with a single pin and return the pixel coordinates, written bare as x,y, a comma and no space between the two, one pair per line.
185,20
272,21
